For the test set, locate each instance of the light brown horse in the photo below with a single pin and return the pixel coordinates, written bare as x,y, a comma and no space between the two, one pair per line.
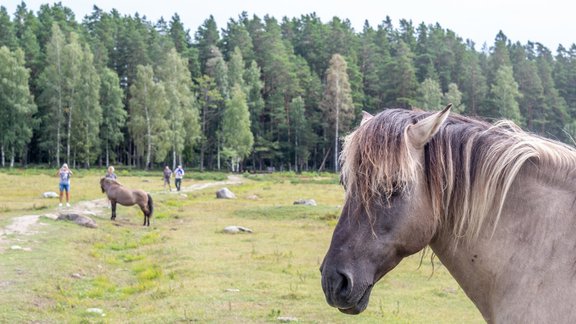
496,205
127,197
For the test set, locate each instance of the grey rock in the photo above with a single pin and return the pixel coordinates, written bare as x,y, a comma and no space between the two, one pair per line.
78,219
50,194
236,229
306,202
286,319
225,193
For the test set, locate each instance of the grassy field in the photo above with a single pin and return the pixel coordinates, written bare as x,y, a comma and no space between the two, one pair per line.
184,269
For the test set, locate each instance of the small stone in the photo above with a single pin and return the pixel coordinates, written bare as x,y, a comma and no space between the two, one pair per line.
50,194
236,229
306,202
286,319
232,290
96,311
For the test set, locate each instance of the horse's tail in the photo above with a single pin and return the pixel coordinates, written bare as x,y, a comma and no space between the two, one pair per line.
150,206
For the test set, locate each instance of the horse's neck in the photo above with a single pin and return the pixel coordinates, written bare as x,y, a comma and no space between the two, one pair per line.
528,260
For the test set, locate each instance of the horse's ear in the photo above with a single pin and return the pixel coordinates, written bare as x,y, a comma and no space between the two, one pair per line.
366,116
420,133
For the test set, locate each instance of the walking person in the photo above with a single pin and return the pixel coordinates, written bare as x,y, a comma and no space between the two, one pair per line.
167,175
178,175
64,173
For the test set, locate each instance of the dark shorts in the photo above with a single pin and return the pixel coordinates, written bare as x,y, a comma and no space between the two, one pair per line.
65,186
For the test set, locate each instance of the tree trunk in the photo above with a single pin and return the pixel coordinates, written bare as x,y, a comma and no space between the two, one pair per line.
107,154
12,156
68,132
203,145
337,104
174,162
148,133
324,161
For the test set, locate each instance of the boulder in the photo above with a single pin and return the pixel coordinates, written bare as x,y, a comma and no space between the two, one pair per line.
236,229
306,202
50,194
78,219
225,193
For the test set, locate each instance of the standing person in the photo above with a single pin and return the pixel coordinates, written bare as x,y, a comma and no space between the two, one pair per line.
178,175
167,175
65,175
110,173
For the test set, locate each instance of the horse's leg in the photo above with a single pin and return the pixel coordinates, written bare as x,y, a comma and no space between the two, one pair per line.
113,204
144,210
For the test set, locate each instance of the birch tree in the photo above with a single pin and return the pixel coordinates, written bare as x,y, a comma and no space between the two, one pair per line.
505,95
147,123
52,102
113,113
337,100
86,100
236,135
181,104
16,105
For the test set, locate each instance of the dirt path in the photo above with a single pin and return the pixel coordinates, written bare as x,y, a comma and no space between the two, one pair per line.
26,225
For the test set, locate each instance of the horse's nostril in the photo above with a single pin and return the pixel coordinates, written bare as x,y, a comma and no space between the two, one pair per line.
345,285
337,287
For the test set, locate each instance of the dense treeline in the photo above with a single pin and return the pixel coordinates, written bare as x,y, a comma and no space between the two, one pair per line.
256,94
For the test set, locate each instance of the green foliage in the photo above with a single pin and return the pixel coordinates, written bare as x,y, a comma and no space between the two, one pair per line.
84,79
148,124
505,93
236,134
17,106
430,95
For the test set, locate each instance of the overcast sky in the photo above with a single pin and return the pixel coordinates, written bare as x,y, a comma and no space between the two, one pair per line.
550,22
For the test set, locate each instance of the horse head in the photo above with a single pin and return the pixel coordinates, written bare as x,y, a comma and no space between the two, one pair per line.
387,214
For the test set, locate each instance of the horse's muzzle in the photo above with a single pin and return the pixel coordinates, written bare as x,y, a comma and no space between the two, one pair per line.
341,293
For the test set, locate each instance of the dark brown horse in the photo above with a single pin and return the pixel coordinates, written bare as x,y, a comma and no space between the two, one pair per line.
496,205
127,197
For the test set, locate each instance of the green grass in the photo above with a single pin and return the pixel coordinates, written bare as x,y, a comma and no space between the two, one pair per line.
184,269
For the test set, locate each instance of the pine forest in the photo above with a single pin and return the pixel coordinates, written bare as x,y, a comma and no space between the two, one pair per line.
259,94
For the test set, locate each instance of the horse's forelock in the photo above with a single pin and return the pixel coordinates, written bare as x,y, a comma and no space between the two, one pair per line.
376,161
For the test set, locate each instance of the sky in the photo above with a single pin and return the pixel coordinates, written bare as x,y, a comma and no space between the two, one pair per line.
550,22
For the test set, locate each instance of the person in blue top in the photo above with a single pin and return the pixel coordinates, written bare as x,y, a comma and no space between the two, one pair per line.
64,173
110,173
178,175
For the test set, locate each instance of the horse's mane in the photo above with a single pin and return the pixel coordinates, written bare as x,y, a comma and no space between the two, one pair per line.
469,165
111,181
